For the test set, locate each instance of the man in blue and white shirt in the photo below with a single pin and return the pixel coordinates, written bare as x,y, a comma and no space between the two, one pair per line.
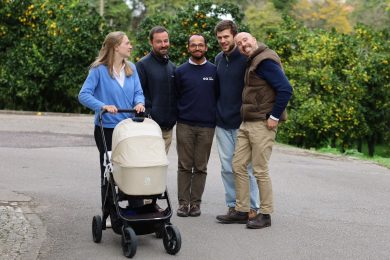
196,84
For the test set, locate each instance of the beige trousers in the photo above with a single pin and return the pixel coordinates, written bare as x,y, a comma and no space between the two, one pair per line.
254,144
167,136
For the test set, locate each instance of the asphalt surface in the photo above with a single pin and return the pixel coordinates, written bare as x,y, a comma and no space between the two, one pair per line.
326,207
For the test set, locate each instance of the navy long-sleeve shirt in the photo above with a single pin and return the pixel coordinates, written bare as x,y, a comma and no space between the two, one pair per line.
197,94
231,72
271,72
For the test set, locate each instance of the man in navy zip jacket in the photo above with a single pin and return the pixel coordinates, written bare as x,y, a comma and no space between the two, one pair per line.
231,65
196,84
264,100
156,73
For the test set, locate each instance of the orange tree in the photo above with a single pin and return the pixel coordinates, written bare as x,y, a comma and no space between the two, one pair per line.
45,49
374,54
341,85
196,17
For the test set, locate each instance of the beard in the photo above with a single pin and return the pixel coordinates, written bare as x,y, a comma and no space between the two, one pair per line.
197,55
163,52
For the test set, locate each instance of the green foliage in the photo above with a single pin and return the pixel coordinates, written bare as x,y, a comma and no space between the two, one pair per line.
262,18
380,159
284,5
375,13
46,48
325,14
116,13
374,52
341,87
168,6
197,17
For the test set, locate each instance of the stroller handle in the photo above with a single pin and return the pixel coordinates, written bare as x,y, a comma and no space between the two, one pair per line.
138,116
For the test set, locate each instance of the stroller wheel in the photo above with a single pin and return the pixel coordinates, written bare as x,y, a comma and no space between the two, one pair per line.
97,229
172,240
129,242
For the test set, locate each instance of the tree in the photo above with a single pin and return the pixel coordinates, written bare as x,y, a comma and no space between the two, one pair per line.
374,51
196,17
284,5
118,14
341,85
262,17
326,14
46,47
375,13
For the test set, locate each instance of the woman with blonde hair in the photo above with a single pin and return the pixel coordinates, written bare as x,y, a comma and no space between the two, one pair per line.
112,83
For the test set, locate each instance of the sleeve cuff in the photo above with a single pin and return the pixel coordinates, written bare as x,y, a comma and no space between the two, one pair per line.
273,118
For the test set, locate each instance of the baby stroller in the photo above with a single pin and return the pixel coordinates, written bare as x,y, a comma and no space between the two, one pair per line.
136,171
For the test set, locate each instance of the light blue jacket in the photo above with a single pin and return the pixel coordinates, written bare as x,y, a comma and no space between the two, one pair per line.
101,89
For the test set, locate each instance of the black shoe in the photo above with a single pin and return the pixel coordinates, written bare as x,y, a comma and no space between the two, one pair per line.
182,211
194,211
234,216
260,221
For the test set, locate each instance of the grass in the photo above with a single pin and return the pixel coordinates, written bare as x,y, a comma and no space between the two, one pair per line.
381,157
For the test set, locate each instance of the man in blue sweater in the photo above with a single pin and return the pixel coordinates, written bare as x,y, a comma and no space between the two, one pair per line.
196,84
231,65
264,100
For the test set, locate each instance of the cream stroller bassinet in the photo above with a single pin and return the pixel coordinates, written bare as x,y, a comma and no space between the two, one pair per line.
137,170
138,157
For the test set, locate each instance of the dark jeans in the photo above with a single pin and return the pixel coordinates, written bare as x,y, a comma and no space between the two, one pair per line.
99,143
193,150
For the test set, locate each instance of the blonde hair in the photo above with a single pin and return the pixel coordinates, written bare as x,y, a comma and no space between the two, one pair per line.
107,53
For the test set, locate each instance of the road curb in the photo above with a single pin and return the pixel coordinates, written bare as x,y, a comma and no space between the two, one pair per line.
38,113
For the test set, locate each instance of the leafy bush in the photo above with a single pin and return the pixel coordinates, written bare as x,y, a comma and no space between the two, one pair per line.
46,47
341,85
197,17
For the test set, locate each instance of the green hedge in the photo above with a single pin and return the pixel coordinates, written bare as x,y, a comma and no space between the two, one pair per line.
45,50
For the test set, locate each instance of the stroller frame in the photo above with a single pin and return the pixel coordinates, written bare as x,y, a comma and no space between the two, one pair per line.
149,220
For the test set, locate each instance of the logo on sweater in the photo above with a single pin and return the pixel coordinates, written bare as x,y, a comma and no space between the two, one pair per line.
208,78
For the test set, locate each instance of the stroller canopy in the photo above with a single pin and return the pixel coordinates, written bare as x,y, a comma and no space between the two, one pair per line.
138,144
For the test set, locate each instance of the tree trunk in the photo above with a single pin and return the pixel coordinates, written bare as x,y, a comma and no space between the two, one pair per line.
360,145
371,140
333,143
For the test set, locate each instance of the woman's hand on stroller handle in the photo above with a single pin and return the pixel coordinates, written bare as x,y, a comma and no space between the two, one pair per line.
110,109
138,111
139,108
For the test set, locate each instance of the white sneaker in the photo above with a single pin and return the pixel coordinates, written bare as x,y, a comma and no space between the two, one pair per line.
108,222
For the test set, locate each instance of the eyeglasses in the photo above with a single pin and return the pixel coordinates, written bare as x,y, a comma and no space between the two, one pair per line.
194,46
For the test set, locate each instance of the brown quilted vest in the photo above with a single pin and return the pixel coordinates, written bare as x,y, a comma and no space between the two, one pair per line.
258,97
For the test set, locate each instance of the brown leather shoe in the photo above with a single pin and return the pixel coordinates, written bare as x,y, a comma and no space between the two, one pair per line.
234,217
194,211
230,210
252,214
260,221
182,211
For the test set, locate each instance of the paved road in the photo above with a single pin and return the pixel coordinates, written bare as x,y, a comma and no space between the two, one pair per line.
326,207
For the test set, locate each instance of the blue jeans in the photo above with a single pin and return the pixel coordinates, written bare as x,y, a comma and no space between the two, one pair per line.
226,141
